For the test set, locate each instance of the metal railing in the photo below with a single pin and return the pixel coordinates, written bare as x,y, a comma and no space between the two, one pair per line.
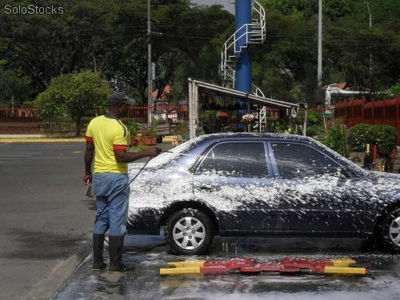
27,121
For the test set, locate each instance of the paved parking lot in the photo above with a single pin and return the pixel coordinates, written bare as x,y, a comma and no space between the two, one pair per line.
45,218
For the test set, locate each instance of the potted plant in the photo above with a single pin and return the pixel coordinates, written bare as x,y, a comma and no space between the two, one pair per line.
248,118
133,128
148,135
180,131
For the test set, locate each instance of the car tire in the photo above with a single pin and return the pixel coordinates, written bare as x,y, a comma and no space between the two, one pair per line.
389,232
189,232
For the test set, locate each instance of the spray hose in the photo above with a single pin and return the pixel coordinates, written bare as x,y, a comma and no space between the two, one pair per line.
123,189
130,181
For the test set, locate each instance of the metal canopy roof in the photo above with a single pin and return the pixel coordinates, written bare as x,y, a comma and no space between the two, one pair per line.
224,91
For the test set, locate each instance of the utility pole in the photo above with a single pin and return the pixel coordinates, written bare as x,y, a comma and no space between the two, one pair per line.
370,55
319,76
149,67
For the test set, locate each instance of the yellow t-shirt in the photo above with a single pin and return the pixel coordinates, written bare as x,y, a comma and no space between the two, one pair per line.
108,134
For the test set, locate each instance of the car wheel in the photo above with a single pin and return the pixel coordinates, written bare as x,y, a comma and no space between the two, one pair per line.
189,232
390,232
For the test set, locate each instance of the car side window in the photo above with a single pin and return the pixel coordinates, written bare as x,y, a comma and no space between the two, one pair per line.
236,160
299,161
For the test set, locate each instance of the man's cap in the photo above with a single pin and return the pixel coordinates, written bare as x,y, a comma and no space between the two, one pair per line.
118,98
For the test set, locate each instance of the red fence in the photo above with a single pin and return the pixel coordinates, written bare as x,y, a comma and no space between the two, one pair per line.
26,120
375,112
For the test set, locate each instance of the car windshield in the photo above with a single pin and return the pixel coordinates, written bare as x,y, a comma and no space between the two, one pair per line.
173,153
343,159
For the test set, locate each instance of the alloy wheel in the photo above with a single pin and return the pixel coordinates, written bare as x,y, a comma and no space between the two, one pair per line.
189,233
394,231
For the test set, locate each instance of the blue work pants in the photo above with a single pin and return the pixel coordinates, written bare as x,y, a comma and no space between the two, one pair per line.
112,201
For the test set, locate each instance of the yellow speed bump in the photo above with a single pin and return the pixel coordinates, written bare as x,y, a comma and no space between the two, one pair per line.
178,271
183,267
188,263
343,262
345,270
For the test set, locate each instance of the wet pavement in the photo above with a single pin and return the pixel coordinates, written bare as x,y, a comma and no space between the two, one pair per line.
45,218
147,254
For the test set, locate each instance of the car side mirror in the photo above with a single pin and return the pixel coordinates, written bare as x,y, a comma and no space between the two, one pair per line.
342,174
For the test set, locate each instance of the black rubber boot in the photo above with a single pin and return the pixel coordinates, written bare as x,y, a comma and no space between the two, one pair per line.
98,245
115,247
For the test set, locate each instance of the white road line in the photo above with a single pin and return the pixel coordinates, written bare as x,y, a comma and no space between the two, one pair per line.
53,157
14,155
29,153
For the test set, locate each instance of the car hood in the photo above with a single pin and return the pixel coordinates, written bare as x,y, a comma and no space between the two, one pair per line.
386,184
385,177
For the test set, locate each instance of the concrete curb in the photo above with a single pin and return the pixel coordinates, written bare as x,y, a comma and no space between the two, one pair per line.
49,287
42,140
19,136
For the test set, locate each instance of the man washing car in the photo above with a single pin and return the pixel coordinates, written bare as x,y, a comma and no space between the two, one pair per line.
107,139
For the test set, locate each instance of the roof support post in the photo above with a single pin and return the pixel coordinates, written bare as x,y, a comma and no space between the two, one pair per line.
193,108
305,120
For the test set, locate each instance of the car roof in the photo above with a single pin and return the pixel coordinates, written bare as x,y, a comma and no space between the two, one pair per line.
207,139
256,135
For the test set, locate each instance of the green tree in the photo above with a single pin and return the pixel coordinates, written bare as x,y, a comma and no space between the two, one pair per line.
395,89
285,65
72,95
45,46
190,42
14,86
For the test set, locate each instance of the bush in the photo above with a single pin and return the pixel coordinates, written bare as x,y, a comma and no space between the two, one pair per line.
314,117
315,130
314,122
281,125
335,138
384,136
360,135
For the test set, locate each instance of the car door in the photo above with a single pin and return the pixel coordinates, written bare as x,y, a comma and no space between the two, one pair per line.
231,178
316,193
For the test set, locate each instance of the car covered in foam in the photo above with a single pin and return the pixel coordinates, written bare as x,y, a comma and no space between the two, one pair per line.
261,184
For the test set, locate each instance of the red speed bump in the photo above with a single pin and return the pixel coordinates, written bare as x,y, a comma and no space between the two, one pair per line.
250,265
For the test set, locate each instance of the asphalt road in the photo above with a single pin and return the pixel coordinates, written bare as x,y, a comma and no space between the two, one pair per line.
45,219
147,256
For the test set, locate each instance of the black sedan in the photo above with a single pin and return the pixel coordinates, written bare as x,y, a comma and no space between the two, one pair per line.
261,184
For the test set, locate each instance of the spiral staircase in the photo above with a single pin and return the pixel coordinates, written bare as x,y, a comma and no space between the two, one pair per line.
248,34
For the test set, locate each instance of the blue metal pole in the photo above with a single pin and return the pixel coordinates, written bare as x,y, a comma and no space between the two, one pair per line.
244,65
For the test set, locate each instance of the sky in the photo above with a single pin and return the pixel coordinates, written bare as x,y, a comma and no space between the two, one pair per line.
228,4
